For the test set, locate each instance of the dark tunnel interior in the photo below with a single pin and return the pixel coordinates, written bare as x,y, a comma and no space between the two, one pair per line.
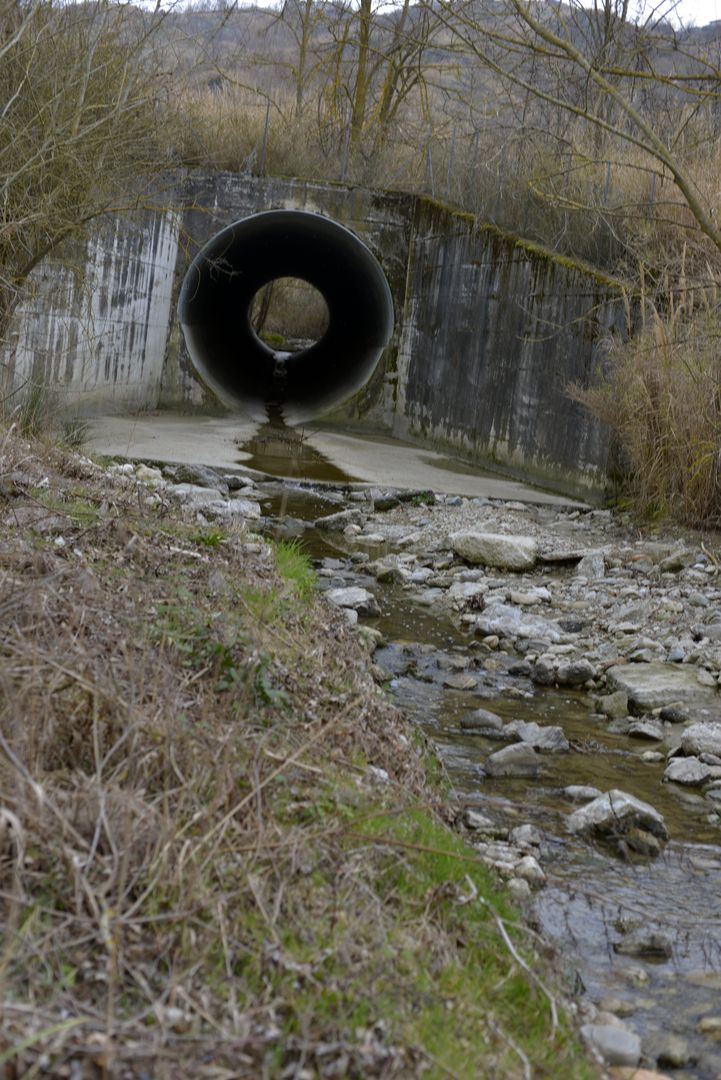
247,374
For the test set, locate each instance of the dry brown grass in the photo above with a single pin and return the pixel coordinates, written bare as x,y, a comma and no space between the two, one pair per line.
228,130
661,396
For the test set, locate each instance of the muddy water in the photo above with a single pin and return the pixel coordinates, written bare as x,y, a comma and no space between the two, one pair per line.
282,451
591,896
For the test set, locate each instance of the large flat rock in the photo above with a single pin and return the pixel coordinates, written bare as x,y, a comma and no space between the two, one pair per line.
513,622
495,549
651,686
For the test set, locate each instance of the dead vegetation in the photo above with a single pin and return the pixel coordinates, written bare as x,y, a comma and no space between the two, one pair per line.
660,394
219,853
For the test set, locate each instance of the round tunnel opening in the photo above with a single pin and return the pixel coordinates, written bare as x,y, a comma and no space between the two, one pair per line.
259,377
289,314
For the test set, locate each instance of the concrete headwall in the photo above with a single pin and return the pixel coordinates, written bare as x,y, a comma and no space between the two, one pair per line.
495,331
92,328
490,330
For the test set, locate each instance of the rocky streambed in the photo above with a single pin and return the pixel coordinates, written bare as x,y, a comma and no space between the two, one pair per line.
567,668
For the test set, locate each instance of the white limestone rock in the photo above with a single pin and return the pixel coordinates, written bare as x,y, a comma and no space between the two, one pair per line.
354,597
512,622
651,686
495,549
616,812
232,510
548,738
688,771
702,738
616,1044
515,760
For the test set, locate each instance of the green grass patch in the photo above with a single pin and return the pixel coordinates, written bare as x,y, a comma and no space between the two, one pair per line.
211,538
294,566
73,504
472,1004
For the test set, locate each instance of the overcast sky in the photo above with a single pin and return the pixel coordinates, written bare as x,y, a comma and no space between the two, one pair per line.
700,12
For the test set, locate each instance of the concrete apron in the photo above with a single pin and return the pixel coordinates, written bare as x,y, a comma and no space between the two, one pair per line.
372,460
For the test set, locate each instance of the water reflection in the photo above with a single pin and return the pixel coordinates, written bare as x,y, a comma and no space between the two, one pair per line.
279,450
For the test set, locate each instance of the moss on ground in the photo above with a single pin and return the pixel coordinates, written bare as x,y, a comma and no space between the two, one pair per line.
222,852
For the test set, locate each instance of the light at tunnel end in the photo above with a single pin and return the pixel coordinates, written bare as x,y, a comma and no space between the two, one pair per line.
247,374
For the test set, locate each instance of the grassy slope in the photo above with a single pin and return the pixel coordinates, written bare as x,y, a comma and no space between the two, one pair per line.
200,875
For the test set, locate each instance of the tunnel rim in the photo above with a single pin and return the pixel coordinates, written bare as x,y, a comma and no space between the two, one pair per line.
300,240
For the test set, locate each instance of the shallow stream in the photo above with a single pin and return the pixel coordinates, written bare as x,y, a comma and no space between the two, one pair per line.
591,896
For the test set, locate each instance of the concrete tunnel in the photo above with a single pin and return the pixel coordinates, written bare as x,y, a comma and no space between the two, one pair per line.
245,373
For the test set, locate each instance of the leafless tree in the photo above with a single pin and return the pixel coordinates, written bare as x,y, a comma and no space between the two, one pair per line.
635,82
77,124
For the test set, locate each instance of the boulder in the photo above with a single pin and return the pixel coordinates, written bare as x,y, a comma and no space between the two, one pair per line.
543,672
592,565
575,673
388,573
200,476
195,494
615,1043
614,814
515,760
581,792
526,836
232,510
482,721
652,686
354,597
238,482
702,738
476,821
646,728
614,706
512,622
495,549
547,738
462,680
479,822
338,522
466,594
688,771
528,869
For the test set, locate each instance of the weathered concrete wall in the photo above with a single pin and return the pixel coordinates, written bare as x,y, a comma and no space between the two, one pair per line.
92,329
490,331
494,332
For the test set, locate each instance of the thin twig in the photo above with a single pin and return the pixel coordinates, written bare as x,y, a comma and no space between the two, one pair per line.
522,963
